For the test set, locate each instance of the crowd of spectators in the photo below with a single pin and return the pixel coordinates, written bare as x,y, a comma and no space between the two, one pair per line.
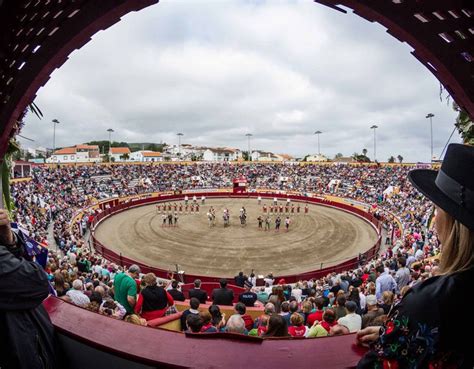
336,304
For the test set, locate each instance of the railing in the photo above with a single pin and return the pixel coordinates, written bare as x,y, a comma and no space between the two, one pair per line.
115,206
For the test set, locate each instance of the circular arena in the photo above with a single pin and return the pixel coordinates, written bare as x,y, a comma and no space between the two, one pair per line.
328,235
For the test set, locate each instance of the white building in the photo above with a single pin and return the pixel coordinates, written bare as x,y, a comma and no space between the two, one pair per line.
221,154
119,154
76,154
258,155
146,156
317,157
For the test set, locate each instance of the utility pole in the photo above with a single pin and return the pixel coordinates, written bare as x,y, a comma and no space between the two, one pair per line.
179,143
55,121
110,130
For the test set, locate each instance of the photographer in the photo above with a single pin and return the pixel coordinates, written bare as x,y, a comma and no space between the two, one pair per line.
26,333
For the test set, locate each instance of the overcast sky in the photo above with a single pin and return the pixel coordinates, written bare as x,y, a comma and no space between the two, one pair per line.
216,70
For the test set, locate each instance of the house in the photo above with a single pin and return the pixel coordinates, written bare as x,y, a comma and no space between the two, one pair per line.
317,158
146,156
258,155
119,154
285,157
76,154
221,154
344,160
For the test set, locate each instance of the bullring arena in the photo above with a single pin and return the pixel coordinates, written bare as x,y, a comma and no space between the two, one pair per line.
324,236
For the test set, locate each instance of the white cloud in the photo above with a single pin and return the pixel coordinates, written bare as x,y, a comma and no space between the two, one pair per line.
217,70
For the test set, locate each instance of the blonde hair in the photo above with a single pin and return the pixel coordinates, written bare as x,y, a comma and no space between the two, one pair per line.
150,279
457,253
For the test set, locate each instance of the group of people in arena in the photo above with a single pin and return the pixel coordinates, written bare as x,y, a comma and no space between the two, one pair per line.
355,300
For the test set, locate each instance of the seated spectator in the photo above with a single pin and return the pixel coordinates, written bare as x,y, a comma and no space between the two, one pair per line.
207,326
373,311
95,302
262,295
135,319
316,316
240,279
223,295
197,292
306,308
276,327
248,297
261,326
235,324
193,309
76,295
297,328
340,308
242,311
351,320
153,300
317,330
113,309
387,301
175,292
329,319
194,323
338,330
218,318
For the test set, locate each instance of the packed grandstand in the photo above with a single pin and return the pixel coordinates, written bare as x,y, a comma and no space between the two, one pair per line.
335,304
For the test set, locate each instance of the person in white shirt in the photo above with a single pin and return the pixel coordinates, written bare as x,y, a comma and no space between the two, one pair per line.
76,296
351,320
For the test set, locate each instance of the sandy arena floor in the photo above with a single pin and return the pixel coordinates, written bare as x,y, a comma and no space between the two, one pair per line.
325,235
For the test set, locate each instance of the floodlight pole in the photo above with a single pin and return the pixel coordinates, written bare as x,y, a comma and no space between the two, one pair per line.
431,115
374,127
179,143
55,121
249,155
319,149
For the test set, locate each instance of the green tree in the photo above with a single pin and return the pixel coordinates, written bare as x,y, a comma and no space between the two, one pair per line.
464,125
400,158
125,156
364,152
338,155
391,159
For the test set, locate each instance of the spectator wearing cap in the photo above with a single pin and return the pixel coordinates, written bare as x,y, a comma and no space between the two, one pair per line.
222,295
351,320
197,292
248,297
373,311
125,288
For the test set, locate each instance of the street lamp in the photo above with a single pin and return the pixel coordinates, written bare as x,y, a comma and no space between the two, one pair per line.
249,156
179,142
431,115
110,130
374,127
55,121
318,133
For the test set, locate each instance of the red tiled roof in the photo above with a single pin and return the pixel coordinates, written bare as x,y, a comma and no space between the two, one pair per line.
65,151
151,154
119,150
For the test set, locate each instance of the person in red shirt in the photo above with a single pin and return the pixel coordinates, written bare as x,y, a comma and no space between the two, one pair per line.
153,300
329,319
297,329
318,314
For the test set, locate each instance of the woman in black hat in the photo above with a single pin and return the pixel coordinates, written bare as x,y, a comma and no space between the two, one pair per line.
424,329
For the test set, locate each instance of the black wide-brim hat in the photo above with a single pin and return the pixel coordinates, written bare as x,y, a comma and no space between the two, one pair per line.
452,187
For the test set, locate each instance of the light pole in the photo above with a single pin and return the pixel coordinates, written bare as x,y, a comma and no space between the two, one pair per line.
431,115
374,127
179,142
249,155
110,130
318,133
55,121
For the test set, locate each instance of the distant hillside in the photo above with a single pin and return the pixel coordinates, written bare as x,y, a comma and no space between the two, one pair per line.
104,145
146,146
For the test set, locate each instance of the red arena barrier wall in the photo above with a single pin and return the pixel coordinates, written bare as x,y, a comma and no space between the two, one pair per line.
91,340
116,206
